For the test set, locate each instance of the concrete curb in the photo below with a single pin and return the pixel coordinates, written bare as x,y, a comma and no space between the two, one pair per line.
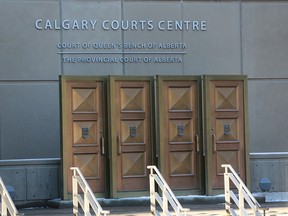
145,201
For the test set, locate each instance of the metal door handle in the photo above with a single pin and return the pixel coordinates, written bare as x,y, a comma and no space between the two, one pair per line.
118,145
197,142
102,146
214,142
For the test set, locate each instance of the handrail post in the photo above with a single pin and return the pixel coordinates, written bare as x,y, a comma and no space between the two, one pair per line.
3,205
165,202
152,193
227,190
241,200
75,193
86,202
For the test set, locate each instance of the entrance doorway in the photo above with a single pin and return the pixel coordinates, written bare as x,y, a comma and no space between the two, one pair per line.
109,131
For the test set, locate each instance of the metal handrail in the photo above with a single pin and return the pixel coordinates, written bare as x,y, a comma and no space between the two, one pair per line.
87,199
243,194
168,195
7,204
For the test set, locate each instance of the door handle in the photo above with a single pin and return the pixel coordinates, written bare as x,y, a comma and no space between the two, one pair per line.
214,142
197,142
118,145
102,146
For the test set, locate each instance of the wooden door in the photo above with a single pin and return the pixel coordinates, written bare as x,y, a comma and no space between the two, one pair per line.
180,140
83,132
130,135
225,128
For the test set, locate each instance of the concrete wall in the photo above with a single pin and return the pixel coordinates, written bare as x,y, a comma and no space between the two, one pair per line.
270,170
31,181
240,38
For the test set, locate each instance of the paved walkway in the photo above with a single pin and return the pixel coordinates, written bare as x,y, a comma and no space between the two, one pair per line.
275,209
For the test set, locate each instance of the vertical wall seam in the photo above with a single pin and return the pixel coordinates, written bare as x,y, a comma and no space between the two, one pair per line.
61,38
182,35
122,37
241,37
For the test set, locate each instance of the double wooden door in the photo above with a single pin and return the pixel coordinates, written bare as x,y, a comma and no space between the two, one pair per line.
106,132
190,159
109,131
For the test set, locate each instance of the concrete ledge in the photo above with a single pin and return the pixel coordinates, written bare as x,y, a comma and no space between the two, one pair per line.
37,161
268,155
271,197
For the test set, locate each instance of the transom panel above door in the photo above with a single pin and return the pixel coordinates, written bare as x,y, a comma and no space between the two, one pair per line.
179,133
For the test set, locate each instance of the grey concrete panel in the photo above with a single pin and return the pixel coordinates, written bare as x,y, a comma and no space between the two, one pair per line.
29,119
15,177
148,63
216,50
273,167
265,33
97,37
27,53
268,115
42,183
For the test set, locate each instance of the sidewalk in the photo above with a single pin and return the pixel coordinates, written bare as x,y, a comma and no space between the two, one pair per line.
275,209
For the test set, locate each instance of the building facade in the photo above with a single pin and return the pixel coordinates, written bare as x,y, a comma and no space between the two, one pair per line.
44,41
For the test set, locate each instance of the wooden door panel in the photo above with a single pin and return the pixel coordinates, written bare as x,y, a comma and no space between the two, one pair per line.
84,100
225,129
132,99
180,98
228,128
84,132
179,131
133,164
179,127
132,131
132,148
181,163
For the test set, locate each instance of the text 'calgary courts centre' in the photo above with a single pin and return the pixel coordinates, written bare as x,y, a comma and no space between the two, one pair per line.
124,25
114,86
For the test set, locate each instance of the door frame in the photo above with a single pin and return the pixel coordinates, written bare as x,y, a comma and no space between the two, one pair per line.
112,133
64,131
207,129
